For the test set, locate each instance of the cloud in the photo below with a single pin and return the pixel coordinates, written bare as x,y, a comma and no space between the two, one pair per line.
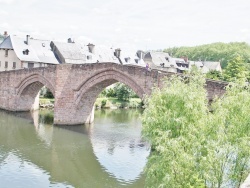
84,40
7,1
3,13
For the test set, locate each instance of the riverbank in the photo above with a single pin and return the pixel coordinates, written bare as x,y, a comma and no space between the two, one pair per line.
104,102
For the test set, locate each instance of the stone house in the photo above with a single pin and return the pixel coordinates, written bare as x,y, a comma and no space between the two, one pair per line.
19,53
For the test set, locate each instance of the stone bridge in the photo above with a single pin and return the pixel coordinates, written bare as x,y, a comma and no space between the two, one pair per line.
76,87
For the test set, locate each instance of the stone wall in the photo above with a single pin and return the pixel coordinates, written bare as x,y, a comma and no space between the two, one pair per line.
76,87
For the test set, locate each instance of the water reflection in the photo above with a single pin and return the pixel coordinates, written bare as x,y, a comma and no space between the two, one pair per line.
101,155
116,142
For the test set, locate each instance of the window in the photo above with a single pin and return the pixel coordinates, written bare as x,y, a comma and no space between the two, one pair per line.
89,57
6,64
14,65
0,63
30,65
6,53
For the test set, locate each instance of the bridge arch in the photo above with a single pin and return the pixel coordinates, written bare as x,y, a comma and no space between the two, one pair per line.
87,92
27,91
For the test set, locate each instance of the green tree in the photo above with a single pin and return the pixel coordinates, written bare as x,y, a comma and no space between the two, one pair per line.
235,69
222,52
192,147
215,75
123,92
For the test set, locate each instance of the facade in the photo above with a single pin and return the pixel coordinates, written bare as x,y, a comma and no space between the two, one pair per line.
19,53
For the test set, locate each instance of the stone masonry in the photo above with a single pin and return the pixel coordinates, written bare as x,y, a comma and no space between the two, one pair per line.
76,87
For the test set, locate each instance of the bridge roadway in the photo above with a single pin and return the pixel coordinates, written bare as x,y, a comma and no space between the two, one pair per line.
76,87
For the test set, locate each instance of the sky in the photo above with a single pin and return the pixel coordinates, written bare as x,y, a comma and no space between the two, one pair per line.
134,24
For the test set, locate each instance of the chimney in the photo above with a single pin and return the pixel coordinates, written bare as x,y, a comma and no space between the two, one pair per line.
70,40
5,34
27,39
117,52
91,48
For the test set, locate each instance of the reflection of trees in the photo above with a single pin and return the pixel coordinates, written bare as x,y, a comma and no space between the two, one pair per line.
119,115
46,117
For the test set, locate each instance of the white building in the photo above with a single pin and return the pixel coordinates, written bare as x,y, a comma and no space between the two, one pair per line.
19,53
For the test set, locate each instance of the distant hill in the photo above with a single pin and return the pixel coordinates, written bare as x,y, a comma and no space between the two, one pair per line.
222,52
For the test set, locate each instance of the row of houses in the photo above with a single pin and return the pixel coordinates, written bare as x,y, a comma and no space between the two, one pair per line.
20,53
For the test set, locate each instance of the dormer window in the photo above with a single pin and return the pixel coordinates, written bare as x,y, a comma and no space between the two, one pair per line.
26,52
167,59
127,59
89,57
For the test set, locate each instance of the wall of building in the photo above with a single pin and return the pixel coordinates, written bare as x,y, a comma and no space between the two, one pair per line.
10,58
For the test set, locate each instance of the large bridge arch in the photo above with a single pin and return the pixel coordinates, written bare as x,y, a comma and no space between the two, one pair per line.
27,91
88,90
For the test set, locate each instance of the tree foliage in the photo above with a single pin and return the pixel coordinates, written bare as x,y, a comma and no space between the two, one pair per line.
120,91
215,75
192,147
222,52
236,69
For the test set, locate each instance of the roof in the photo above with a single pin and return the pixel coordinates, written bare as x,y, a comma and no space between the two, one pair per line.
6,44
179,60
71,52
198,64
160,57
77,54
211,65
38,50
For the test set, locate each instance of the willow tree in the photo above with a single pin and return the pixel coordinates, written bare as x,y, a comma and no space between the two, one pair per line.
192,147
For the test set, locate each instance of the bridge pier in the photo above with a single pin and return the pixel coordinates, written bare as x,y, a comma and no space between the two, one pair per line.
72,116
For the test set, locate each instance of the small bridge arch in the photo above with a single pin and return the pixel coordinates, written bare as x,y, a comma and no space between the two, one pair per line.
27,91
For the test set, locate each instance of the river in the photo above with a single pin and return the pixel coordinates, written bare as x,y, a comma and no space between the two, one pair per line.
107,153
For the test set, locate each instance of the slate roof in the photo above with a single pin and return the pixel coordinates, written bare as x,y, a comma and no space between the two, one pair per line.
39,50
160,57
211,65
77,53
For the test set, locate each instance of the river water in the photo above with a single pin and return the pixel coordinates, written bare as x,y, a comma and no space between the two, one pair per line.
107,153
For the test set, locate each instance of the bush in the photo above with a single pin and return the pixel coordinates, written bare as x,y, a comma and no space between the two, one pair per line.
192,147
103,103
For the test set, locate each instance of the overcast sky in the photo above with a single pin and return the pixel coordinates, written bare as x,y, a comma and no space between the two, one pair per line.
140,24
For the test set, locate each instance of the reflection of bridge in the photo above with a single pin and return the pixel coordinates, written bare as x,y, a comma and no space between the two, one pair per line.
76,87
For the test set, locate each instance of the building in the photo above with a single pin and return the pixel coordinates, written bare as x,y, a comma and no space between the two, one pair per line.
206,66
19,53
182,64
160,60
76,53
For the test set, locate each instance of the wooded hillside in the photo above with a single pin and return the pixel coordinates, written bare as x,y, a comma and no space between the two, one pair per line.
222,52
